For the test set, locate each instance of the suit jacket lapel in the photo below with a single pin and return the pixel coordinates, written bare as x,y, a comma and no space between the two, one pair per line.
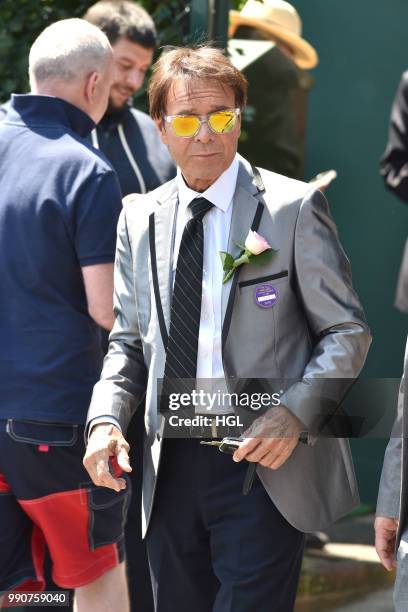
164,224
245,205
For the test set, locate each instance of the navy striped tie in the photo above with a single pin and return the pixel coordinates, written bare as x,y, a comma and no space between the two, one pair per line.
182,347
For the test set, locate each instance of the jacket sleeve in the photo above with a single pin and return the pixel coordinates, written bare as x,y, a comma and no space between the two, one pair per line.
388,503
394,162
341,337
389,494
122,385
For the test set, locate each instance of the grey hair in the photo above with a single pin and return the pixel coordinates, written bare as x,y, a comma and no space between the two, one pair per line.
67,50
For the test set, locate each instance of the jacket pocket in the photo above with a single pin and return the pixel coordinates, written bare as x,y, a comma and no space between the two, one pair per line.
263,279
36,432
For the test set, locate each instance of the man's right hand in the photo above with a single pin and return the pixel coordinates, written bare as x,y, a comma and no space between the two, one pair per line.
106,441
385,534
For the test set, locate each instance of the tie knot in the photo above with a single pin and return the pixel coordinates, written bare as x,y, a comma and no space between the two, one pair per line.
199,207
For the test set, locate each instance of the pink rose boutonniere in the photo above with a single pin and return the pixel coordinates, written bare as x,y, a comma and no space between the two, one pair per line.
255,250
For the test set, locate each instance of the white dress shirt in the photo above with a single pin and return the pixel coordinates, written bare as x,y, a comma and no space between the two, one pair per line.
216,223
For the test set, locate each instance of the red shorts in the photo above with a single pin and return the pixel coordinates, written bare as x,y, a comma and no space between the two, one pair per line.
46,497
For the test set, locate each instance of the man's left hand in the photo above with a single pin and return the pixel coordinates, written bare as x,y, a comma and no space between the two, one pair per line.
385,535
271,438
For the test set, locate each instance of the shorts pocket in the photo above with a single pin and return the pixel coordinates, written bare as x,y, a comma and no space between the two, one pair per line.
36,432
107,514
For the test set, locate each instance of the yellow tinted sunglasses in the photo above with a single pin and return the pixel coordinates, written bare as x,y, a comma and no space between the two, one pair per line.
219,122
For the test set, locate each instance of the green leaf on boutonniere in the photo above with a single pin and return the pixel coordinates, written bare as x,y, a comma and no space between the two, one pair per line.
227,261
263,258
240,246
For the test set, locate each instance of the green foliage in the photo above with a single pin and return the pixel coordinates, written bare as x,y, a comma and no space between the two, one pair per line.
22,20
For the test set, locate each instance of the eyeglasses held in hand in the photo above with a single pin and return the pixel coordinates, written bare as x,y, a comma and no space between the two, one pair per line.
219,122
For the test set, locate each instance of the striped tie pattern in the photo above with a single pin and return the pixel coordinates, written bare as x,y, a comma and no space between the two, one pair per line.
181,356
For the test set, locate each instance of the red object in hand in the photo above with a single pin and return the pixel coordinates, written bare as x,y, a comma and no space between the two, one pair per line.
115,469
43,448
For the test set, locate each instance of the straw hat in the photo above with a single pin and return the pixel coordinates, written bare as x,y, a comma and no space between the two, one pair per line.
281,21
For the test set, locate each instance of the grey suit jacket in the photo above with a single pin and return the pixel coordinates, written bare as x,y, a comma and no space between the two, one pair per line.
316,330
393,491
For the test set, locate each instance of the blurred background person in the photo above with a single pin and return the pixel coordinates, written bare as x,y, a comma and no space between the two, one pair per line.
274,122
128,137
391,523
394,169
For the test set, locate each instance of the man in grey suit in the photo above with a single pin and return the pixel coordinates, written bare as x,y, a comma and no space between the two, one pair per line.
391,525
180,315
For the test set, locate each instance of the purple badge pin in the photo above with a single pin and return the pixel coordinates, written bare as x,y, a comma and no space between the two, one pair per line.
265,296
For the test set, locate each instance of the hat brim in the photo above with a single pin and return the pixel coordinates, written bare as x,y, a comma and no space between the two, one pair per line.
304,55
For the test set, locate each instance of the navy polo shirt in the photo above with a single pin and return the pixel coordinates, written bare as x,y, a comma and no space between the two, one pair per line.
59,206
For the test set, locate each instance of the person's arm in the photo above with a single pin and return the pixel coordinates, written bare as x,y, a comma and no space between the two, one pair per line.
340,334
123,380
394,162
386,521
388,503
385,538
337,323
98,281
92,221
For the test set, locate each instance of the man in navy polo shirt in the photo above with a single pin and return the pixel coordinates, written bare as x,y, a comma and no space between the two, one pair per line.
57,242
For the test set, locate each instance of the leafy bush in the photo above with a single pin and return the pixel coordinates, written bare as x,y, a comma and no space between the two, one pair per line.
22,20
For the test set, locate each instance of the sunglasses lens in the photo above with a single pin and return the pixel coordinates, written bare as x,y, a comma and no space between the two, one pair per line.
185,126
222,122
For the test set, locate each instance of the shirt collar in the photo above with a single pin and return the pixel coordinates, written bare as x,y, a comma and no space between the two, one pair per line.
220,193
43,111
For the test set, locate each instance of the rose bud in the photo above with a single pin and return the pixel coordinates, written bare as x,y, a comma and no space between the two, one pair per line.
255,243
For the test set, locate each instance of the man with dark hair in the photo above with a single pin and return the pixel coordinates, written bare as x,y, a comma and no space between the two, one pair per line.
183,317
128,137
123,19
